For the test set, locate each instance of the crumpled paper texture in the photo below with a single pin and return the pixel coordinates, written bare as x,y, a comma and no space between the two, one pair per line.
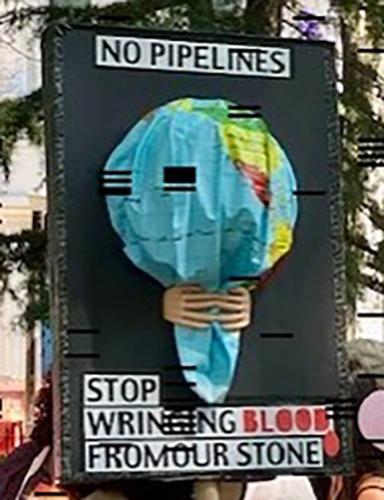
238,222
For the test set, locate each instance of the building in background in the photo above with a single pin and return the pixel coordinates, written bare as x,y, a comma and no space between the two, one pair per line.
20,212
22,207
12,409
20,367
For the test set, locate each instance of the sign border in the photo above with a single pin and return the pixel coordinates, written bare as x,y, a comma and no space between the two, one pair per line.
53,41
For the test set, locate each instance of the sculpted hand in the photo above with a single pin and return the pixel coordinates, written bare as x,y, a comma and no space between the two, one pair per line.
235,309
191,306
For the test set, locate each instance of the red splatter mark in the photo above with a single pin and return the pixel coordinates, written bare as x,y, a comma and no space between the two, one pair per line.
258,179
331,444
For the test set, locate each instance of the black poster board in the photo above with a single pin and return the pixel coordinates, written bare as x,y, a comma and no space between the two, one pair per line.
107,314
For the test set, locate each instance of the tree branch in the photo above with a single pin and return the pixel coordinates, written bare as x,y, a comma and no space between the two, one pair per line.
375,214
23,114
360,242
372,283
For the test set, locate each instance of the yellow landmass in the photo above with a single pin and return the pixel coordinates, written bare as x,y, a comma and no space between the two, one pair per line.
251,147
282,241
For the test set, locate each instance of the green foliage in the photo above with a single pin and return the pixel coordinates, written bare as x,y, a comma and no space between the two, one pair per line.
17,117
364,259
264,17
373,11
25,253
24,115
365,262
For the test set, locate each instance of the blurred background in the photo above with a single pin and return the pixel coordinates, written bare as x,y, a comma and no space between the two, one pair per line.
356,28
